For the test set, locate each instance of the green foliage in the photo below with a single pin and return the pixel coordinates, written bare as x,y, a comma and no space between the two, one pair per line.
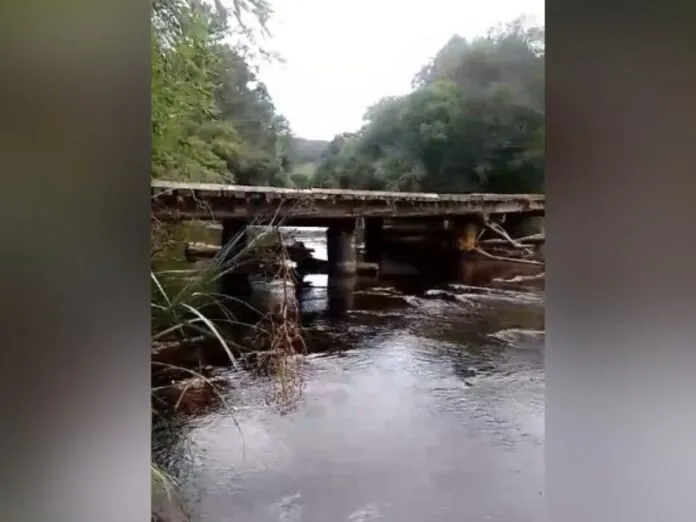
302,150
212,120
474,122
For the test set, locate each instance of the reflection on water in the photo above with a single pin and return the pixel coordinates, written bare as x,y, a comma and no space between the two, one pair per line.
415,408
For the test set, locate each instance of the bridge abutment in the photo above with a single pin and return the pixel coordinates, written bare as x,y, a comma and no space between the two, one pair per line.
340,246
232,281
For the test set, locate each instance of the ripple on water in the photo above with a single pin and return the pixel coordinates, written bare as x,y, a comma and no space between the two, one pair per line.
371,511
496,294
288,508
432,412
519,336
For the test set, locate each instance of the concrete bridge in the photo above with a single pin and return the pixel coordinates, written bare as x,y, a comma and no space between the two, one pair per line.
238,206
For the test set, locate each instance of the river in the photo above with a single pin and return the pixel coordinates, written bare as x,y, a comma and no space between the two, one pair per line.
414,408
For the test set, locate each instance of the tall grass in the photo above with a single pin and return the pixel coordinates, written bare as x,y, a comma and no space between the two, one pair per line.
189,311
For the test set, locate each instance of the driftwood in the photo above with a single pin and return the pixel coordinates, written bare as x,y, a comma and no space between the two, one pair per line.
526,241
504,238
510,259
499,230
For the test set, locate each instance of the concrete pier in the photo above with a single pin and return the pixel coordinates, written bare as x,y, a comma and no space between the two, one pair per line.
341,294
466,233
340,246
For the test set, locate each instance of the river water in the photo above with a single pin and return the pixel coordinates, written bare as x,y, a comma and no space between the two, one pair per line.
414,408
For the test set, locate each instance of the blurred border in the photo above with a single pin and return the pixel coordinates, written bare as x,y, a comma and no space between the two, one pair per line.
620,433
74,143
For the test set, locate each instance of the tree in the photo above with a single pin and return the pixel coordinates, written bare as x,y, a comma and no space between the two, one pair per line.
474,122
212,119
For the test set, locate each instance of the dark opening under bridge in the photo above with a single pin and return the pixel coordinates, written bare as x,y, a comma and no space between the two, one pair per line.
237,206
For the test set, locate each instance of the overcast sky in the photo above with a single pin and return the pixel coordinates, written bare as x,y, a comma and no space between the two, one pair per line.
342,56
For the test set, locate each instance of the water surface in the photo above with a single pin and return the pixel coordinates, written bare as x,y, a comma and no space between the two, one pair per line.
417,408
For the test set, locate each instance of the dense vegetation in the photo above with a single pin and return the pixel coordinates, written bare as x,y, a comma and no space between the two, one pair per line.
304,157
473,122
212,118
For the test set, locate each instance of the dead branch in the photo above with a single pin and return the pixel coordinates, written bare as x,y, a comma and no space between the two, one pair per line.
496,228
510,259
534,238
526,241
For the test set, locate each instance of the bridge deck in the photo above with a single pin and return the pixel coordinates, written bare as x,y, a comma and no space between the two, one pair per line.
211,201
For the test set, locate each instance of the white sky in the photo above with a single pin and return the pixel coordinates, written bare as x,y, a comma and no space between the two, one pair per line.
342,56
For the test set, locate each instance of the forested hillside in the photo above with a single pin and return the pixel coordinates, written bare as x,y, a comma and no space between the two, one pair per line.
474,122
304,157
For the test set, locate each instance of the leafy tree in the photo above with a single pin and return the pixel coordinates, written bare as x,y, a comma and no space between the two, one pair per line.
474,122
212,119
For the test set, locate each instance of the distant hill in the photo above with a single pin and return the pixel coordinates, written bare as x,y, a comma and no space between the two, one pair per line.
304,156
307,151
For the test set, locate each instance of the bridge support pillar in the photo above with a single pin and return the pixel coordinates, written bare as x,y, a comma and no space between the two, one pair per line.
340,246
466,233
341,294
233,282
374,239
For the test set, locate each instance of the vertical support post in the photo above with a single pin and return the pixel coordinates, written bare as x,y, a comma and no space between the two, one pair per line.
233,282
466,235
341,294
340,246
374,238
